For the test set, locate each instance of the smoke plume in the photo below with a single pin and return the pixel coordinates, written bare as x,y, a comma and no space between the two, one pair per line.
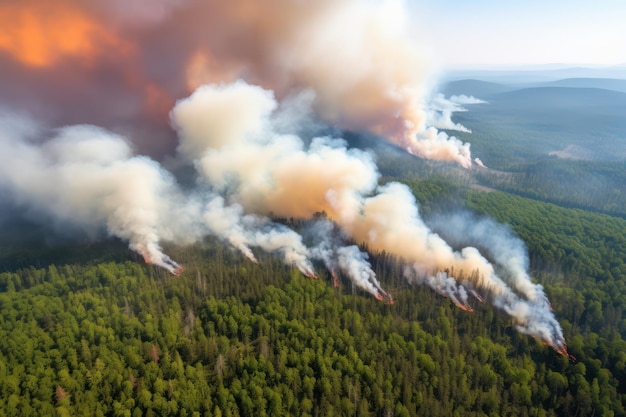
264,171
137,59
329,247
88,177
254,75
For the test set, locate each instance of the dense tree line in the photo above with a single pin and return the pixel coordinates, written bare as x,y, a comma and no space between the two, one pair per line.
228,337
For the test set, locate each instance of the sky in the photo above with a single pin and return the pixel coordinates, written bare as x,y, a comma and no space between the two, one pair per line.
481,33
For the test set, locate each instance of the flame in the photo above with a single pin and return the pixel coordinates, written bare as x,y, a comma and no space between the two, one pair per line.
335,278
464,307
162,260
560,348
384,298
41,35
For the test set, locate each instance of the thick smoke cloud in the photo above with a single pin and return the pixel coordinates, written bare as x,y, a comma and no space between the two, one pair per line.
254,74
136,59
88,177
264,171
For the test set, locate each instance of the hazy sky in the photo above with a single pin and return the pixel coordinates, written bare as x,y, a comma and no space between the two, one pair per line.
489,32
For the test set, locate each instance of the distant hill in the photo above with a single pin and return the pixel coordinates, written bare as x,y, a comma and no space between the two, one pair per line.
604,83
537,74
524,123
562,141
594,100
477,88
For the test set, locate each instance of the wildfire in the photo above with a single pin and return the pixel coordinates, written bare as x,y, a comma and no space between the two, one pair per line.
560,348
476,295
384,296
162,260
462,306
240,130
335,278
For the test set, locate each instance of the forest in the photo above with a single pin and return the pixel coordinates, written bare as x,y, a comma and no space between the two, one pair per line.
562,141
90,330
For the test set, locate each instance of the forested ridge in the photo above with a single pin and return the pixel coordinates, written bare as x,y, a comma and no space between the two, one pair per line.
561,142
111,336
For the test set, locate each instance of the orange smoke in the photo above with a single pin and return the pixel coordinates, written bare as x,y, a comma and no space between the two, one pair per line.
358,58
41,35
203,68
158,101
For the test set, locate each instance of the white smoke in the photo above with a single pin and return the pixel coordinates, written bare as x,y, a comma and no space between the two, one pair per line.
498,242
529,304
287,243
270,172
350,260
463,99
227,223
355,265
86,176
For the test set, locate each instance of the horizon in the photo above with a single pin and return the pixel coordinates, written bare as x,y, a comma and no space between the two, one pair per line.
530,73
